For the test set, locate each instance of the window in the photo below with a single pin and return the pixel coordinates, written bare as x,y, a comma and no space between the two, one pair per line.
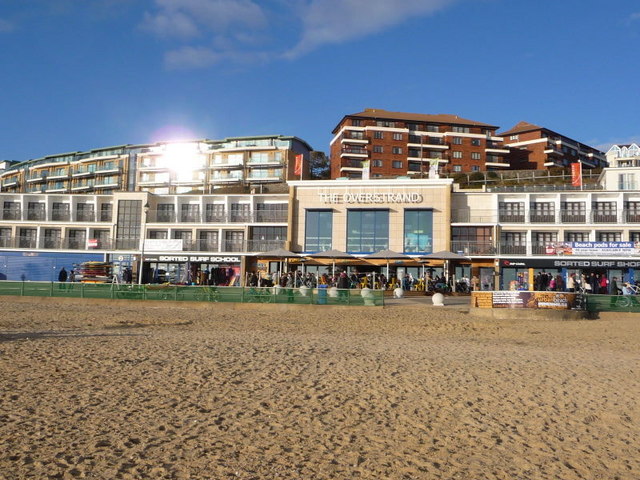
240,212
271,212
514,137
513,243
576,236
413,126
233,241
604,212
105,212
35,211
540,241
190,213
457,168
11,211
457,154
397,150
626,181
214,212
264,239
511,212
208,241
608,236
157,234
475,142
472,240
356,122
542,212
634,236
396,164
632,211
27,238
60,212
475,156
457,140
52,238
367,230
386,124
77,239
573,212
84,212
318,230
5,237
475,168
459,129
397,136
166,212
377,163
379,135
418,231
432,128
377,149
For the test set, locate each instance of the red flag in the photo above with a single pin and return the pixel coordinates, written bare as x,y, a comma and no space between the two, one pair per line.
298,166
576,174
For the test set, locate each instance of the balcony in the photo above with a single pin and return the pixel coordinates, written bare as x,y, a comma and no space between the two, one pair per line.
74,243
604,217
206,245
631,216
508,248
240,218
275,216
128,243
536,217
264,245
85,217
233,247
51,243
6,242
11,214
36,215
354,152
568,217
58,216
473,248
510,217
354,137
27,242
35,178
162,216
465,215
190,217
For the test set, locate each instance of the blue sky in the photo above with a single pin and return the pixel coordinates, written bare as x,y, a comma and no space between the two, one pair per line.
83,74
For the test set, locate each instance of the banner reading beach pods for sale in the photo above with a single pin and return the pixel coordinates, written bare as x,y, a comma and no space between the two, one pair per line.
593,248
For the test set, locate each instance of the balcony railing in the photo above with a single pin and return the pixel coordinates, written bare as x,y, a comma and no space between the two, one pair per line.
510,217
258,216
206,245
264,245
6,242
233,247
604,217
11,214
568,217
85,217
473,248
535,217
36,215
509,248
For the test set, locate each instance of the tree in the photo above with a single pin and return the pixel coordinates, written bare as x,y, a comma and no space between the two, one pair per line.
319,166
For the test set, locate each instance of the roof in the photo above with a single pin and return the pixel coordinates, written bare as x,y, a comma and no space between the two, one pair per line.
379,114
522,127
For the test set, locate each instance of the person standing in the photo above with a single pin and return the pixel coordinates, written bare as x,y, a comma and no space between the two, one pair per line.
62,276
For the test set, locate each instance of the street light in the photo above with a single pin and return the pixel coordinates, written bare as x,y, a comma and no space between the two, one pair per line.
143,227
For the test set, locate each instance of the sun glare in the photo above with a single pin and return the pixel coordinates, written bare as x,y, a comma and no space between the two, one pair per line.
184,159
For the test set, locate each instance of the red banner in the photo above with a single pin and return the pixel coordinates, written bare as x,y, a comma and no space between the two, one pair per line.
298,166
576,174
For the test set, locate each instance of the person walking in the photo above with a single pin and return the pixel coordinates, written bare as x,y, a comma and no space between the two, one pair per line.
62,277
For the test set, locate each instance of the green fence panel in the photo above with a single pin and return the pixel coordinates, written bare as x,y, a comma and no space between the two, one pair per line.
190,293
613,303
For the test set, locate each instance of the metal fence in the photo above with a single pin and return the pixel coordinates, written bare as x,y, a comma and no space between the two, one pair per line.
298,296
613,303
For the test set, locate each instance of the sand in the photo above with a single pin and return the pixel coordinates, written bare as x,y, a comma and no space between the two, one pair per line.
145,391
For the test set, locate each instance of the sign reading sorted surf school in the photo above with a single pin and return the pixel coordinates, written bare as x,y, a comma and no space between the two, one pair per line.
389,197
593,248
520,299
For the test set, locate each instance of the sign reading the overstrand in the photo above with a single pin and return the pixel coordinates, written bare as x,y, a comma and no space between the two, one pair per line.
370,197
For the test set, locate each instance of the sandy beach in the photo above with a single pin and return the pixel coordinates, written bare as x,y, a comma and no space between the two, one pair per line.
408,392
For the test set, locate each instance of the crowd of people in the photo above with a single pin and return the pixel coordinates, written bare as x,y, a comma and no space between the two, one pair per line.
378,281
595,283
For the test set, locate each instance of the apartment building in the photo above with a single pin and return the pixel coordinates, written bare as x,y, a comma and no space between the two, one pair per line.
538,148
624,155
383,144
203,166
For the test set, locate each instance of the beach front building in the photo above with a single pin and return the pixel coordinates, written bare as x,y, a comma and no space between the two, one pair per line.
362,217
538,148
204,166
175,238
624,155
514,235
382,144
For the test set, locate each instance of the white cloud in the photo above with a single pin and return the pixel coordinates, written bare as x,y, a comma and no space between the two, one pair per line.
239,31
192,17
5,26
336,21
191,57
634,16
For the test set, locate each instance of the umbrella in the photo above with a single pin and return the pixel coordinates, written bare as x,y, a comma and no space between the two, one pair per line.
332,254
388,255
447,257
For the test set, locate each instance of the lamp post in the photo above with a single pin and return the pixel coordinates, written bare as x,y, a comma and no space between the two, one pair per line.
143,232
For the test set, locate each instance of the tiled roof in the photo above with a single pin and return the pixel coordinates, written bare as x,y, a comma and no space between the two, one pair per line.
522,127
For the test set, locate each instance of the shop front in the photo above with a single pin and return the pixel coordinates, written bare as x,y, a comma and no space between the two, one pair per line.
220,270
542,274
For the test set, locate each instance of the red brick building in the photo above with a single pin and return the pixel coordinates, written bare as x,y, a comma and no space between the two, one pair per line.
538,148
391,144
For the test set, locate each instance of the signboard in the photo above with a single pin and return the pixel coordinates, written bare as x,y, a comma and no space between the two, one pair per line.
92,243
163,244
593,248
192,258
568,263
519,299
370,197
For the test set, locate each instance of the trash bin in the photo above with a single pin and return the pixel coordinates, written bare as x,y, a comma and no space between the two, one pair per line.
322,294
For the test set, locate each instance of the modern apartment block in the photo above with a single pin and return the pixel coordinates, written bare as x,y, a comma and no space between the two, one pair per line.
538,148
392,144
624,155
204,166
